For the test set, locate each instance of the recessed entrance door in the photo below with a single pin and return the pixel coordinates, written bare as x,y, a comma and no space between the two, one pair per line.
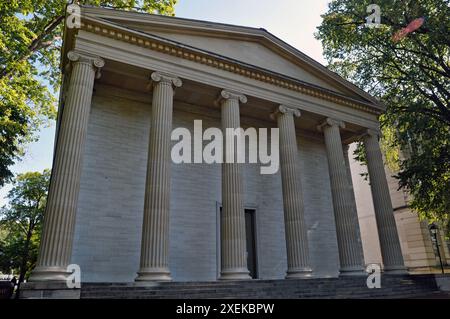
251,242
250,233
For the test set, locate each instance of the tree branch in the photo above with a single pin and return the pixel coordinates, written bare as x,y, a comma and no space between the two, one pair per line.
35,45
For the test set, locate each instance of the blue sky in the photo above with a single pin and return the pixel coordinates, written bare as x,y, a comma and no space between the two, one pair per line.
293,21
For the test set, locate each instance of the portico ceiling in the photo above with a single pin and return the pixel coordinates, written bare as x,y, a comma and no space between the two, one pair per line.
201,99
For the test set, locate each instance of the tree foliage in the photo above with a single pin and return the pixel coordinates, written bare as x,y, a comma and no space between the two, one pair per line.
411,77
21,221
30,43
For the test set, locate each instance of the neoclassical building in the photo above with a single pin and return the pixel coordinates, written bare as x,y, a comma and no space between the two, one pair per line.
122,210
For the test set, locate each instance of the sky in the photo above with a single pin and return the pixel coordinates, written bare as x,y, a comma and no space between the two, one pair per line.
293,21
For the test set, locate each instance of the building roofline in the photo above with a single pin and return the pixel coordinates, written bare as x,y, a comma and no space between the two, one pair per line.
108,15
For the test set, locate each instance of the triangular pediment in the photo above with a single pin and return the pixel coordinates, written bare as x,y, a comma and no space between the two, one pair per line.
253,53
252,46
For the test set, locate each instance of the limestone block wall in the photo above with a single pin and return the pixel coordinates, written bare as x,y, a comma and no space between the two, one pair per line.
111,201
415,240
110,208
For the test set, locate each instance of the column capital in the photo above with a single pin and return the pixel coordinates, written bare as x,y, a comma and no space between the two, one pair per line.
75,56
372,133
95,61
173,80
330,122
231,95
284,109
368,133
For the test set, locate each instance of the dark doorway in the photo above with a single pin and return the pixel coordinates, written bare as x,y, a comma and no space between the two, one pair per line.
250,233
251,242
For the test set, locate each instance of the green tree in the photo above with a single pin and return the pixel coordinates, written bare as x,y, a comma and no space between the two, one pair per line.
21,221
411,77
30,43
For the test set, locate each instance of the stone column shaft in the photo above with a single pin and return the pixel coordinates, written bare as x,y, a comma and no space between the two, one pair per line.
353,199
59,221
384,214
350,252
294,220
232,230
154,265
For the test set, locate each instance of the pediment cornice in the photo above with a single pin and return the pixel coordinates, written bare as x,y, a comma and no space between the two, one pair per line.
157,43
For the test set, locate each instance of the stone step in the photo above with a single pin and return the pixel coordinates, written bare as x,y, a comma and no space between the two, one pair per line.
213,289
232,289
344,287
259,293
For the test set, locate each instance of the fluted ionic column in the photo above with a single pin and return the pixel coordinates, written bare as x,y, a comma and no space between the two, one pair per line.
353,199
384,214
294,220
350,252
59,221
154,265
232,230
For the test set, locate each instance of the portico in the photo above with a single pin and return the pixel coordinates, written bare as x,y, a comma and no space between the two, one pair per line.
123,211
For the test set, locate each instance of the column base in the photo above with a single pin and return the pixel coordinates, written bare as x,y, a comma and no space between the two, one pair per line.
153,274
299,273
54,274
395,270
235,274
48,290
354,271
